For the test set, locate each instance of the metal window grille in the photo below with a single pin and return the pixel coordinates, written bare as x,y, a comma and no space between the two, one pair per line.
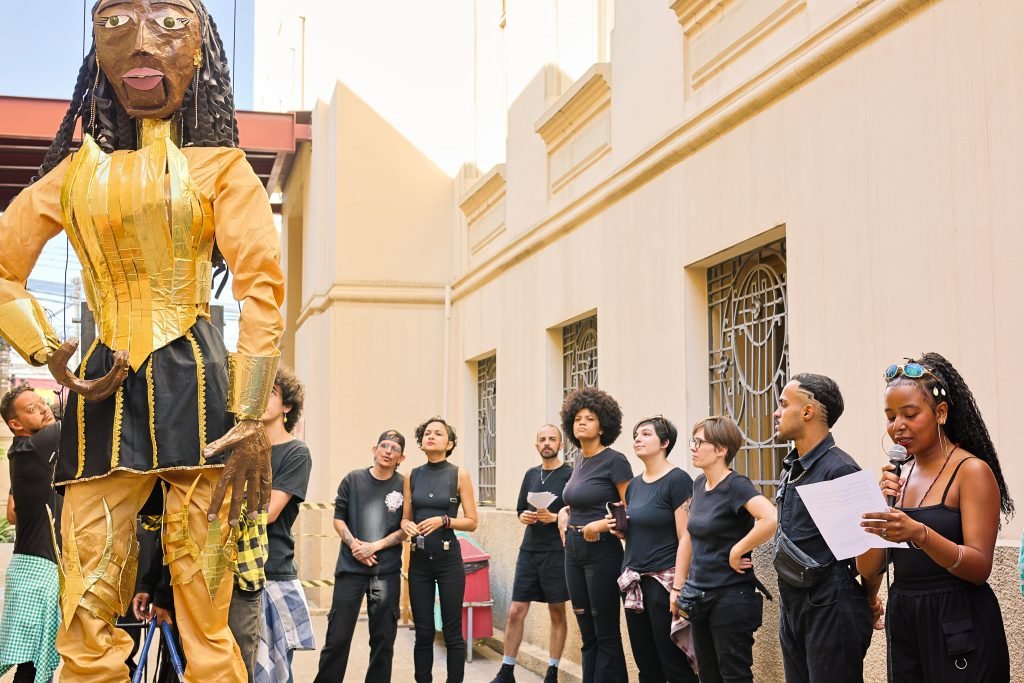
579,363
486,419
749,355
5,367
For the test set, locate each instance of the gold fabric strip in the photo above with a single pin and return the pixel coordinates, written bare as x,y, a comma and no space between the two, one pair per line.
250,379
152,408
201,399
24,325
115,444
81,410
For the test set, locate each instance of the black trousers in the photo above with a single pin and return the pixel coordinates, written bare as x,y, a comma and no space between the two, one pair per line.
382,594
825,630
445,570
724,641
26,673
946,629
659,659
592,572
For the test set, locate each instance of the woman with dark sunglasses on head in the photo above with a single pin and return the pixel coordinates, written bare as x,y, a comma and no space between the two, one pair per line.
943,621
728,519
432,496
592,420
656,507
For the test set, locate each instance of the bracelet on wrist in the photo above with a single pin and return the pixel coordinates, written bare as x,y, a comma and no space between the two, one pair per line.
924,542
677,588
959,558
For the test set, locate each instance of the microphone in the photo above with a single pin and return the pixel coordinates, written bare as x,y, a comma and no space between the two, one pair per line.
897,456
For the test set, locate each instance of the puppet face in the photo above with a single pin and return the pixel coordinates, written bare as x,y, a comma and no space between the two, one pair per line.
147,49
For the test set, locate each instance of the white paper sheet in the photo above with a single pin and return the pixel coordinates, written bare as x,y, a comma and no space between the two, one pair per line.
836,507
540,499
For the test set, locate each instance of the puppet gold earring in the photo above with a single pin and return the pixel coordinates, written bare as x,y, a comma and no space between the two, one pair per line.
197,60
92,98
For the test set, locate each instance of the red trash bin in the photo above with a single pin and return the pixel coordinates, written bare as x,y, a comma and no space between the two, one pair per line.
477,603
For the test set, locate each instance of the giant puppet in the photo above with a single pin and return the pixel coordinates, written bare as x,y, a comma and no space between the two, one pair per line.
157,192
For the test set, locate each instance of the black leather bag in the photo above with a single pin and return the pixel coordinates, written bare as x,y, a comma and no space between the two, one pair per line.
694,604
794,566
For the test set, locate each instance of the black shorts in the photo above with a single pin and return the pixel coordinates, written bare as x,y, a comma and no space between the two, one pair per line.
540,577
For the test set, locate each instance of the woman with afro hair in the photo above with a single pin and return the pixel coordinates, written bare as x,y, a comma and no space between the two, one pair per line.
592,420
943,620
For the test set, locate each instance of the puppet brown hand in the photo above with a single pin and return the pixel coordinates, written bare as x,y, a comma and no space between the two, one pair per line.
89,389
246,471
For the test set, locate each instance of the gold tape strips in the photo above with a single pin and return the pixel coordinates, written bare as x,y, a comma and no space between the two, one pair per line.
115,450
201,379
81,411
152,408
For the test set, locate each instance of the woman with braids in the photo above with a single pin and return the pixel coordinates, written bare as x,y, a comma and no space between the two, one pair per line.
592,420
157,188
943,620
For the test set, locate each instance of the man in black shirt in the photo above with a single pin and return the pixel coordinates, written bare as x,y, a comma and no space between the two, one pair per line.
540,569
825,628
31,604
368,518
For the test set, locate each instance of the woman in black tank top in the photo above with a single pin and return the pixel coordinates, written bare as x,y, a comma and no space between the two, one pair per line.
433,493
943,621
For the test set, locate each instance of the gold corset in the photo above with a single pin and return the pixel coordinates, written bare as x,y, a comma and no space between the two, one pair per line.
144,234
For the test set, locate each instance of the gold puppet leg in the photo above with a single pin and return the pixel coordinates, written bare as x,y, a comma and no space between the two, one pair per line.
98,569
197,552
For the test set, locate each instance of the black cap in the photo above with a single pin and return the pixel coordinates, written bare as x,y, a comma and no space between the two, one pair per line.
392,435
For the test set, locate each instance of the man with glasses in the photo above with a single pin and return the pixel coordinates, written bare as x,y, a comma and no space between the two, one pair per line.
368,518
28,632
540,568
825,624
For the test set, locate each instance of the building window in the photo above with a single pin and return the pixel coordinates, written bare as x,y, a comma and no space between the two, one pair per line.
486,420
579,363
748,363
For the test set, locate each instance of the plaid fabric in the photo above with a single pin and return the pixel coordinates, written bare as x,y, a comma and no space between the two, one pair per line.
28,630
286,626
679,628
252,552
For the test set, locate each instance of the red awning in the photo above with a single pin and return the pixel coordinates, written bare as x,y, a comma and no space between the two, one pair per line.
27,126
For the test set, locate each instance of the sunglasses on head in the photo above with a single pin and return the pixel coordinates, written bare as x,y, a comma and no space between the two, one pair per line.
913,371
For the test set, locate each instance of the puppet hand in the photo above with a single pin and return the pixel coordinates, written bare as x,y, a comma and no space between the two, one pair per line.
89,389
247,470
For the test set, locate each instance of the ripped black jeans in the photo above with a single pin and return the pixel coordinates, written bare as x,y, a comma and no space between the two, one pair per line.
592,571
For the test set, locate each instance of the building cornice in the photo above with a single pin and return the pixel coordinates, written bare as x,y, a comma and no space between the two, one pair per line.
587,97
403,293
803,62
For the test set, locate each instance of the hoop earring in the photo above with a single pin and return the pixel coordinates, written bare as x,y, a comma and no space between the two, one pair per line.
92,99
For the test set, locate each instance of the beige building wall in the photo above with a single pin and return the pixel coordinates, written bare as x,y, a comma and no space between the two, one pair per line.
881,139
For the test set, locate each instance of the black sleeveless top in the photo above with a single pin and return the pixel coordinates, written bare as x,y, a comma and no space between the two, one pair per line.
433,487
911,563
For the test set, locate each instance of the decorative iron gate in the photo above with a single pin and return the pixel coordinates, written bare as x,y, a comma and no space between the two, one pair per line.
749,354
579,364
486,420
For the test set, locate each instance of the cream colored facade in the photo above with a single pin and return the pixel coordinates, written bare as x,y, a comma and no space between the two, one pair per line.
507,168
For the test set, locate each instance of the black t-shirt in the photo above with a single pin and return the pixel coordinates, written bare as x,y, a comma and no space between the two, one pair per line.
32,459
538,537
372,510
592,485
652,541
718,520
290,463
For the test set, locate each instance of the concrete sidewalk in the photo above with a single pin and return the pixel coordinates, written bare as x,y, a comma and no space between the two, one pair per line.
484,666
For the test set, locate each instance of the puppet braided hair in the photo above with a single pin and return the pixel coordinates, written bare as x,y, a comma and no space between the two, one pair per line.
114,129
964,424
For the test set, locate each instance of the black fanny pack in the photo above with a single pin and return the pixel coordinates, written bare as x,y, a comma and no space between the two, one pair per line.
794,566
694,604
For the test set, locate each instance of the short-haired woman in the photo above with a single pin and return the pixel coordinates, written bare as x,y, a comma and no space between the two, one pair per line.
433,493
656,503
592,420
943,622
728,519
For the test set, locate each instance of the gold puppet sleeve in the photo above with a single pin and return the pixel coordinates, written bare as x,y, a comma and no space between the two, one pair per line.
248,238
31,220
